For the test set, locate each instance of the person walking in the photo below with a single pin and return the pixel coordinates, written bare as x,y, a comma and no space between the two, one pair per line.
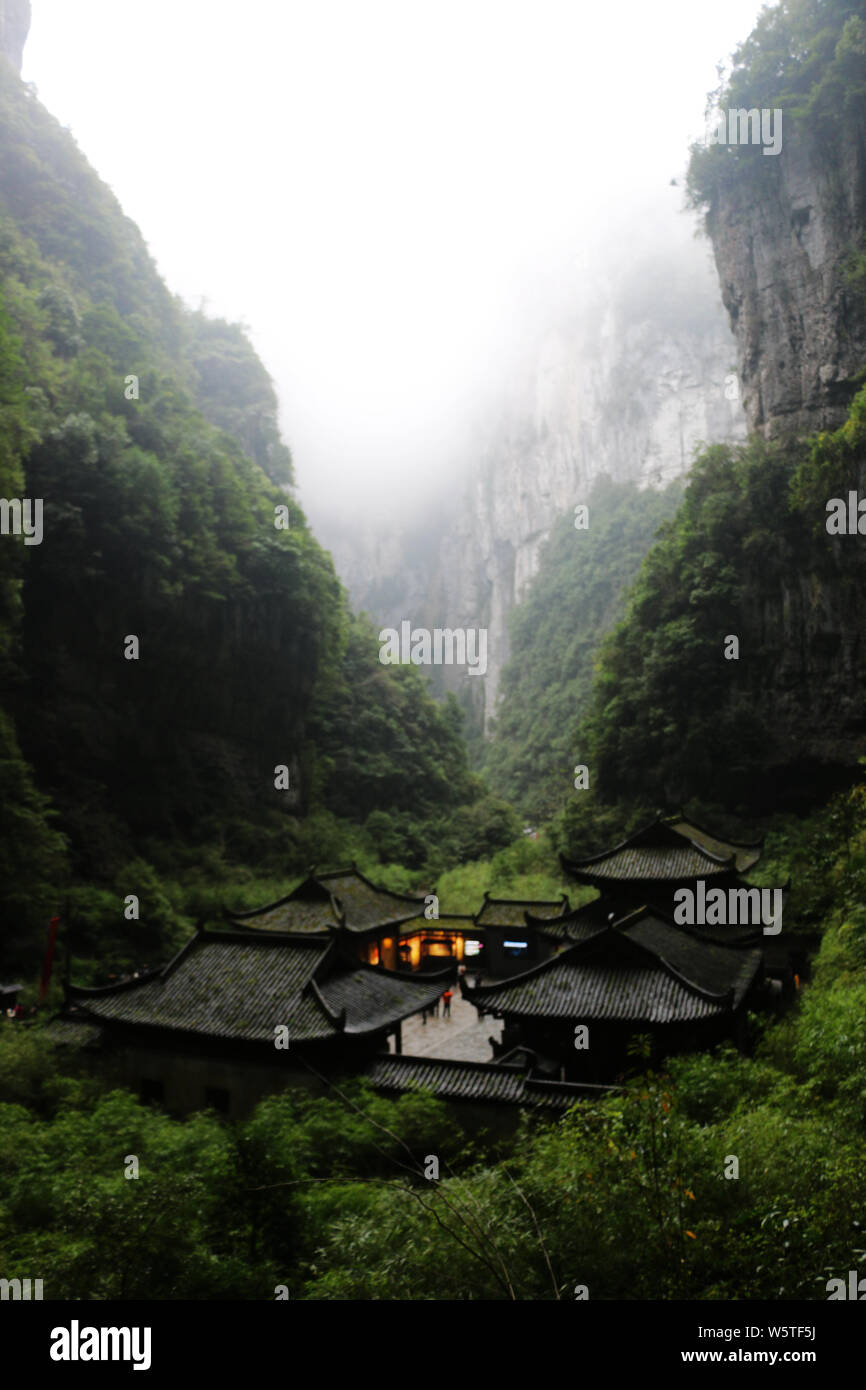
446,1001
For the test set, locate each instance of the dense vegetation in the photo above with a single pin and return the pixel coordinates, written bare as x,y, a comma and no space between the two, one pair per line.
327,1196
671,716
804,57
576,597
651,704
150,433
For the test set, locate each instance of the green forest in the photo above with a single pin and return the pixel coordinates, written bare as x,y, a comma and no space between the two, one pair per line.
157,775
151,433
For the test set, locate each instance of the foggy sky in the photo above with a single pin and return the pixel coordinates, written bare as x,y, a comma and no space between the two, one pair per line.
386,192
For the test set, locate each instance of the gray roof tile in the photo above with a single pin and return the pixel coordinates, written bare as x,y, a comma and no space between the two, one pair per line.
475,1081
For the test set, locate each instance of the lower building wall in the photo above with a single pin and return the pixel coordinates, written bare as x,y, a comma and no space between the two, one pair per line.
608,1053
185,1080
501,961
185,1083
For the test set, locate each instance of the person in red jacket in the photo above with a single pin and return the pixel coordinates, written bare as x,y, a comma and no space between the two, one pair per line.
446,1000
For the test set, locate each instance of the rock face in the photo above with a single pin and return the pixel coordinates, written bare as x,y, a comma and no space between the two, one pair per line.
14,28
781,240
630,387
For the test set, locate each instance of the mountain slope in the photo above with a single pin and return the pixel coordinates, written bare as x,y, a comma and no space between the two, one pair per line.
149,435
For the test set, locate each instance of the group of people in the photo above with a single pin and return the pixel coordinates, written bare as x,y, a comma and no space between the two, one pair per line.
445,1000
433,1009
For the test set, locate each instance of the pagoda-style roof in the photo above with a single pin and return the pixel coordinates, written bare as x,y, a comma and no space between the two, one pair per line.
670,850
576,925
515,912
746,852
641,971
324,902
239,986
712,964
476,1081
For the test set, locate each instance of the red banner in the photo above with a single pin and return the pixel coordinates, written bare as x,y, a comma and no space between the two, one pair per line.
49,957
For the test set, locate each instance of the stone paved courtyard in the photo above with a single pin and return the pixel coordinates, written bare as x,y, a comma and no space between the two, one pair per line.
463,1035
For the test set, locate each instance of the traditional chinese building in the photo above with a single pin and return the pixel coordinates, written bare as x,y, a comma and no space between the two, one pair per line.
514,932
399,931
640,975
674,853
237,1014
395,930
476,1091
670,853
372,918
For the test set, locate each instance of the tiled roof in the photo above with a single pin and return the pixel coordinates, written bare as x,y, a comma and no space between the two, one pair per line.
302,915
577,925
325,901
235,985
670,849
711,965
650,863
512,912
745,854
372,999
615,977
364,904
475,1081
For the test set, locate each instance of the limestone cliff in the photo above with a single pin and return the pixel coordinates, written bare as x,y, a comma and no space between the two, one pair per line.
14,28
628,384
781,241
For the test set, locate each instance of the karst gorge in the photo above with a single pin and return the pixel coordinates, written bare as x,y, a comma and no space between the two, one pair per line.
656,518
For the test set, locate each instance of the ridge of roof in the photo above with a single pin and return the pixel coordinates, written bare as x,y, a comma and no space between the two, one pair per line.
338,1019
629,843
377,888
202,937
266,938
446,972
453,1063
530,902
571,956
726,839
525,904
500,1085
339,914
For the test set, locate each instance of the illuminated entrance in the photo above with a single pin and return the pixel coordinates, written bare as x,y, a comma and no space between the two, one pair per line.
436,945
